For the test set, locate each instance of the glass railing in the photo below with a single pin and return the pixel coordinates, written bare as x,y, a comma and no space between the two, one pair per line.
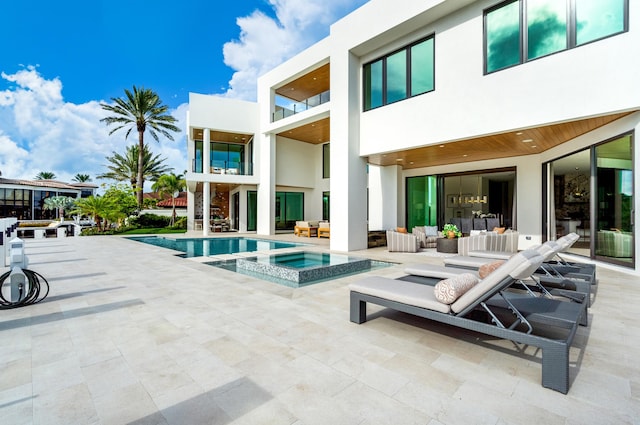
225,167
284,109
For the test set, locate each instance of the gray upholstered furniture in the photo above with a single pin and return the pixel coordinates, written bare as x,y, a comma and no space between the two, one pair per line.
487,308
478,245
402,242
614,243
427,235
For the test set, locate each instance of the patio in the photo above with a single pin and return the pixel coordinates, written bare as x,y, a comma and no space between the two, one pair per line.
132,334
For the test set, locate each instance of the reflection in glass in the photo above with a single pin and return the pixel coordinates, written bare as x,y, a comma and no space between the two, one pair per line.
598,18
373,85
422,78
503,37
397,76
615,200
546,27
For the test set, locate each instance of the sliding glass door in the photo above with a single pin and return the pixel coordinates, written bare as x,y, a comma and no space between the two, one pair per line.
614,207
590,193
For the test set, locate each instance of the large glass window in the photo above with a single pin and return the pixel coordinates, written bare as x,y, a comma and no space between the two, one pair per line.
289,209
502,27
397,76
422,67
546,27
15,203
227,158
422,201
614,238
326,206
590,193
520,30
373,85
404,73
599,18
252,210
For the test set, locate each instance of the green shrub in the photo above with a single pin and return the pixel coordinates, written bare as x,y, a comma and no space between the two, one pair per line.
181,223
149,221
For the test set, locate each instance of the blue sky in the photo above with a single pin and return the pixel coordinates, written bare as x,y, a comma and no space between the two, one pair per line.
60,59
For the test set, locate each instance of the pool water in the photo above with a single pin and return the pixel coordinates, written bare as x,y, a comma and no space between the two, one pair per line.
300,268
198,247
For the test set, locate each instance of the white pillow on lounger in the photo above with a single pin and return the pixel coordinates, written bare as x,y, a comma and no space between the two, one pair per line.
449,290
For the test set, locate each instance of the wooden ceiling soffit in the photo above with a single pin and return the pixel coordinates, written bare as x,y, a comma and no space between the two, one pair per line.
309,85
316,132
223,136
504,145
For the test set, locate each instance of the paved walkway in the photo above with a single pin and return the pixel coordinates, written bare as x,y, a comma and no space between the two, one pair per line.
131,334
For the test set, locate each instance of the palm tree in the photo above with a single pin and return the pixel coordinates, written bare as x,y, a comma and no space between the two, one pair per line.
142,109
45,175
81,178
125,167
170,184
60,203
96,207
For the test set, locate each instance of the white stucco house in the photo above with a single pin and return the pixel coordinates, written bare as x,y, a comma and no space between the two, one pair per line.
420,112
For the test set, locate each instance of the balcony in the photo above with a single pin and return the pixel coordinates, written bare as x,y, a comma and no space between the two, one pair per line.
286,108
224,167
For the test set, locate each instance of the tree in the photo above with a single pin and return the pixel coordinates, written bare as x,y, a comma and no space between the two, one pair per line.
143,110
60,203
170,184
96,207
125,167
81,178
45,175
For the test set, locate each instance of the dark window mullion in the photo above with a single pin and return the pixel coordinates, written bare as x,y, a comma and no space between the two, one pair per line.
384,81
524,32
408,72
571,22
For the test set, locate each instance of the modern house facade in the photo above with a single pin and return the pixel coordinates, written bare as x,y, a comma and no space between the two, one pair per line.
419,112
24,199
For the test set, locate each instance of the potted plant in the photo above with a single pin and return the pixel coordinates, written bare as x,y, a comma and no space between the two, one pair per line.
451,231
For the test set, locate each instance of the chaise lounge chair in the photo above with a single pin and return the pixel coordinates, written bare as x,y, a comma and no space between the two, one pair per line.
487,308
547,275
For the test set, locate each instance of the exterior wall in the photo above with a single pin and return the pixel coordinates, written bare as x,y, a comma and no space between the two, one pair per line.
581,77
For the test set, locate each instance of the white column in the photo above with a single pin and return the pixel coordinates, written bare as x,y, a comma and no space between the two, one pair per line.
206,186
348,170
386,210
267,186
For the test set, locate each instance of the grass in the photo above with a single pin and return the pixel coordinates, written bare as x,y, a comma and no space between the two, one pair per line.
152,230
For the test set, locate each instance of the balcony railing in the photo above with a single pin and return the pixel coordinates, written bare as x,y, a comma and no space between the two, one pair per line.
224,167
284,111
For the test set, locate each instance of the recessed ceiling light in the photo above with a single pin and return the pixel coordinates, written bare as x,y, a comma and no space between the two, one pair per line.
411,163
465,155
527,141
519,133
399,159
442,146
533,146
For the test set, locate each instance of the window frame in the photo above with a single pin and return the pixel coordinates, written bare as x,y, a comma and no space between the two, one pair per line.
408,74
571,31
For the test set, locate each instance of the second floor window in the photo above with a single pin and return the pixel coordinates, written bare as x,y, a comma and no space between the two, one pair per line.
517,31
402,74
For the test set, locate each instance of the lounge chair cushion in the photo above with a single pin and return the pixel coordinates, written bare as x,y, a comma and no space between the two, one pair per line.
488,268
449,290
401,229
400,291
499,230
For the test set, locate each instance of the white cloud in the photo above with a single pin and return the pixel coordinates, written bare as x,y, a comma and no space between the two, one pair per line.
265,43
42,132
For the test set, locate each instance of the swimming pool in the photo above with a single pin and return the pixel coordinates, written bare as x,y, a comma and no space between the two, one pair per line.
301,268
198,247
